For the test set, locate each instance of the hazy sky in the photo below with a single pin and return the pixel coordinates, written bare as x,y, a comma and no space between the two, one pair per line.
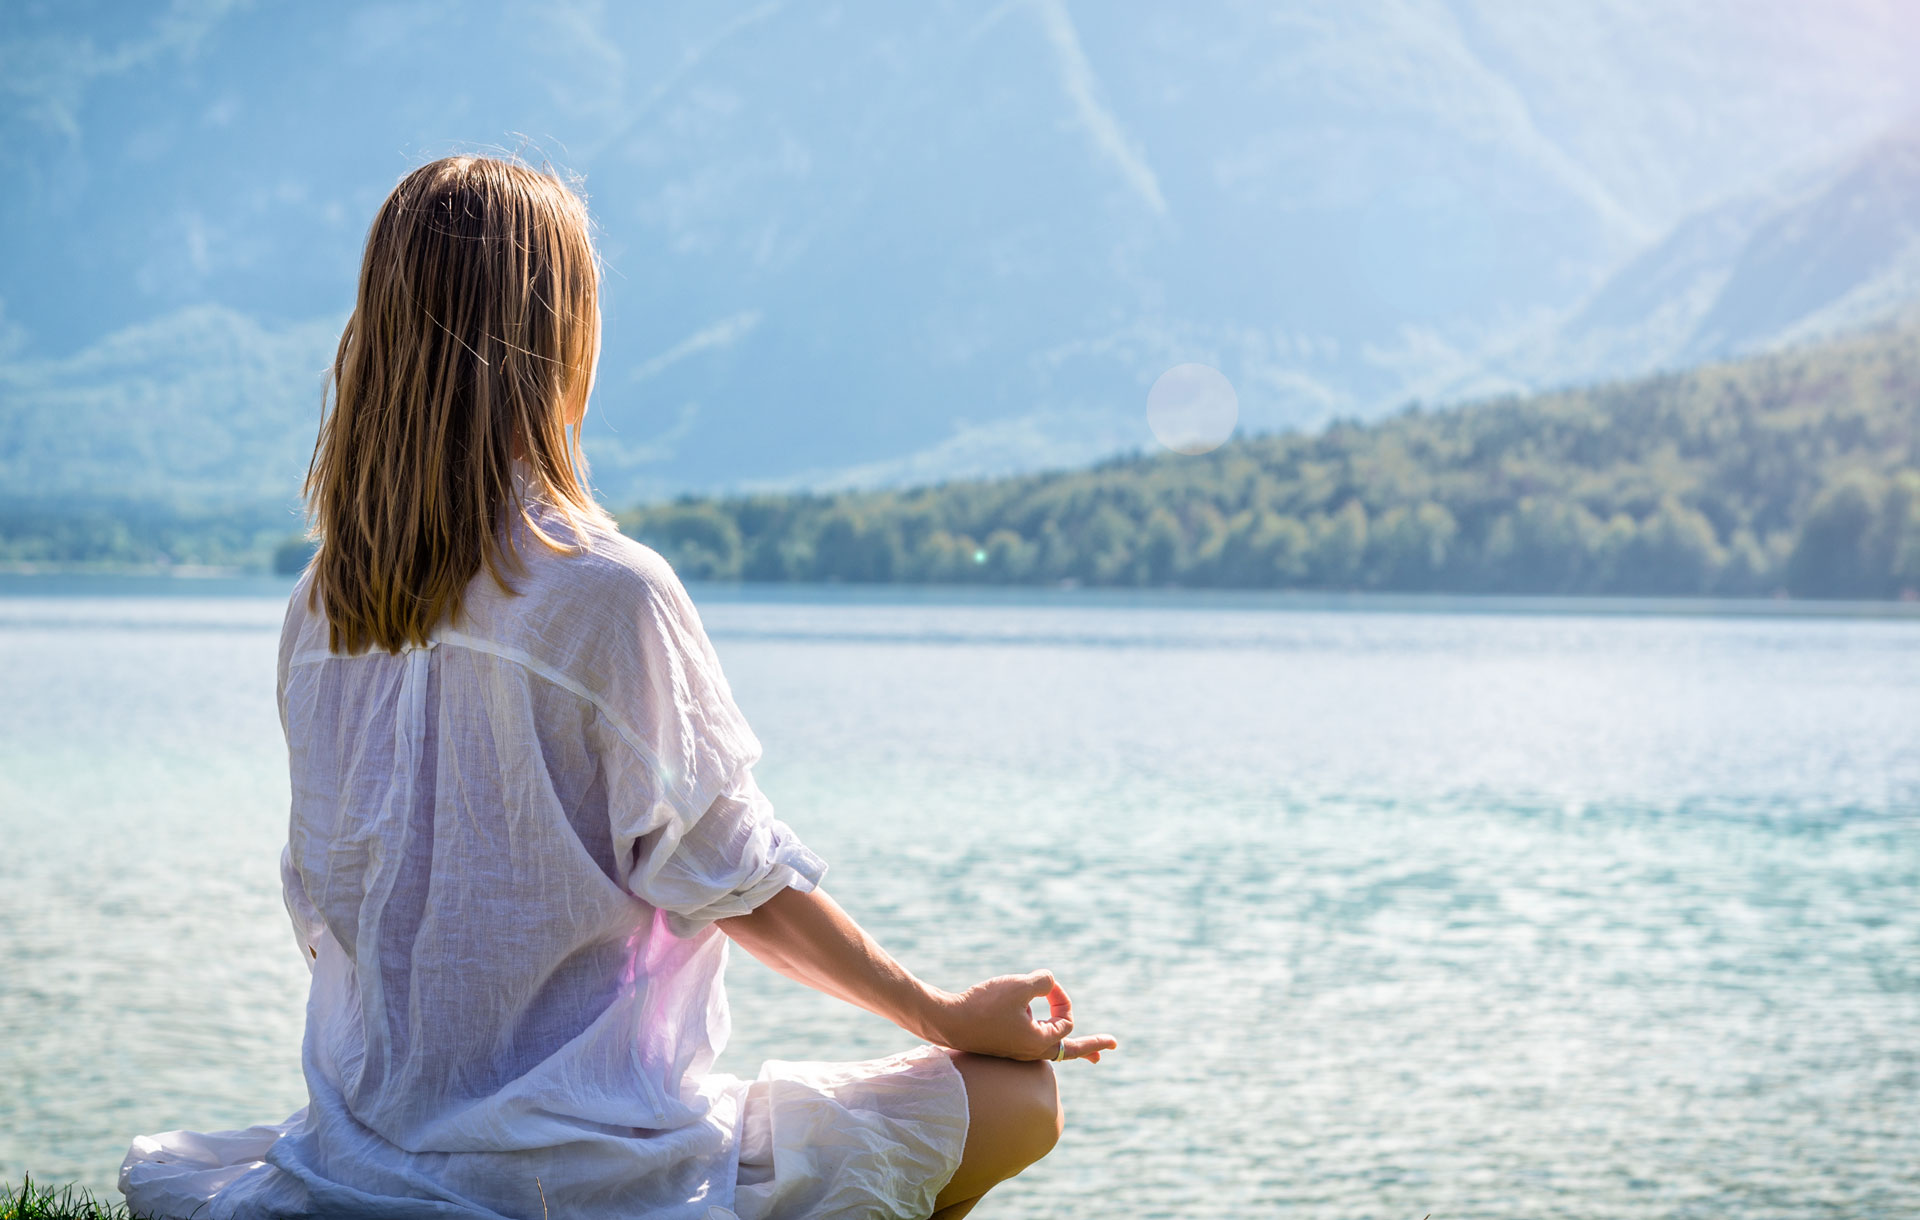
874,241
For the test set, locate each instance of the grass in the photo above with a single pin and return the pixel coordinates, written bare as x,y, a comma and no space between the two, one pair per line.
31,1201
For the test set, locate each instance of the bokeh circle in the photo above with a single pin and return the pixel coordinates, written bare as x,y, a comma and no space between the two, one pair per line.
1192,408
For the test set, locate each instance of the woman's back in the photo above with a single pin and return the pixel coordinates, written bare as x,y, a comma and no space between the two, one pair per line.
467,820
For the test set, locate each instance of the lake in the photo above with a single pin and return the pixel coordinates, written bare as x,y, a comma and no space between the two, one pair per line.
1398,907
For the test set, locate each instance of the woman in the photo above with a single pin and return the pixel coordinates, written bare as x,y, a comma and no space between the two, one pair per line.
525,824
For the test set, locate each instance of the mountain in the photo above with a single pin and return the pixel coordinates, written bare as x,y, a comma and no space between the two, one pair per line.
869,242
1817,254
203,404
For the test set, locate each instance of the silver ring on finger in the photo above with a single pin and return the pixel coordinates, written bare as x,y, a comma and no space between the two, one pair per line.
1060,1055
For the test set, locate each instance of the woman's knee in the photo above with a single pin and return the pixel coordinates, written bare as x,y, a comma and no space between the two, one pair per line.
1037,1118
1013,1120
1049,1117
1024,1103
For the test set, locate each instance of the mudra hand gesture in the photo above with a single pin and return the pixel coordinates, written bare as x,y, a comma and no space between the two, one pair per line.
995,1018
997,1045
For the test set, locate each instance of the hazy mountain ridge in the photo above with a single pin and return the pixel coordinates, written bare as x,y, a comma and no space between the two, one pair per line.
203,407
208,406
1812,256
863,243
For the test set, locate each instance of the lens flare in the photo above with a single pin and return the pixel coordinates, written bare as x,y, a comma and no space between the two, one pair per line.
1192,408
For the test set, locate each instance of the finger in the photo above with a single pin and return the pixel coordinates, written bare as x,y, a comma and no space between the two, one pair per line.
1038,983
1090,1048
1059,1018
1058,1004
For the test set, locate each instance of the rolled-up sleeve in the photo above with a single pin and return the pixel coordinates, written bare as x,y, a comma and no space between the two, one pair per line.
694,835
731,859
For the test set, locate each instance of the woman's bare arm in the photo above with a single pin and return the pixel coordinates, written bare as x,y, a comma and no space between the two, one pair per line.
806,936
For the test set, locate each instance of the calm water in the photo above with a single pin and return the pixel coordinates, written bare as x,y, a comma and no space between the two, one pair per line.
1477,914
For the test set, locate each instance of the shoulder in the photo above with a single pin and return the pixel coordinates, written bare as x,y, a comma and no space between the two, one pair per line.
597,602
298,600
298,623
603,567
607,618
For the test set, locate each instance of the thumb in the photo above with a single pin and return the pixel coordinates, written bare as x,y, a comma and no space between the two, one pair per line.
1038,983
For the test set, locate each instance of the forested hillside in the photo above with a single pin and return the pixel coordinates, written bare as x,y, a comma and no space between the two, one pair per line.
1796,472
71,533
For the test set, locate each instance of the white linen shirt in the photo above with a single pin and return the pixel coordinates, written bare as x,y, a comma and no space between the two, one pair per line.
506,854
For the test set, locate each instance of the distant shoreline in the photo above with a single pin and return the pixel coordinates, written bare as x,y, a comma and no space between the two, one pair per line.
202,580
175,571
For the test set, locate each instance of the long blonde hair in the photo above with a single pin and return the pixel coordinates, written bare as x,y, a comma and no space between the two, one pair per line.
473,339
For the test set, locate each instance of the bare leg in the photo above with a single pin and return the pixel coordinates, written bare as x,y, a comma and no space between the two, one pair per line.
1013,1119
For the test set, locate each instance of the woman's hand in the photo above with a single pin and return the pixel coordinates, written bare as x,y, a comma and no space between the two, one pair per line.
807,937
995,1018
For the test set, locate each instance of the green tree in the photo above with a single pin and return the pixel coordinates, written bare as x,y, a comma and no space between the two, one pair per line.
1010,557
1748,569
776,557
291,556
938,559
851,547
1673,550
1284,548
1834,554
1409,548
1544,545
1902,515
1202,566
699,540
1106,556
1339,546
1163,551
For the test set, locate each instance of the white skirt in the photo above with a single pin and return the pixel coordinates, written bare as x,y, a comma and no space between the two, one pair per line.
875,1138
817,1141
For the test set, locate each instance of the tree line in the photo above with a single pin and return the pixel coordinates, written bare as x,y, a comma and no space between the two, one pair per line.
1795,473
111,536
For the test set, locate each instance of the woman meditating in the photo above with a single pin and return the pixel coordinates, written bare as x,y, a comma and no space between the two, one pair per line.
525,824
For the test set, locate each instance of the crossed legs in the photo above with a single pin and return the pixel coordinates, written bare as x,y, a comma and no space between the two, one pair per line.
1014,1119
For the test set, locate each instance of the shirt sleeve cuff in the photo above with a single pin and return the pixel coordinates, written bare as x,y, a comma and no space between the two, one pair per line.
789,863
